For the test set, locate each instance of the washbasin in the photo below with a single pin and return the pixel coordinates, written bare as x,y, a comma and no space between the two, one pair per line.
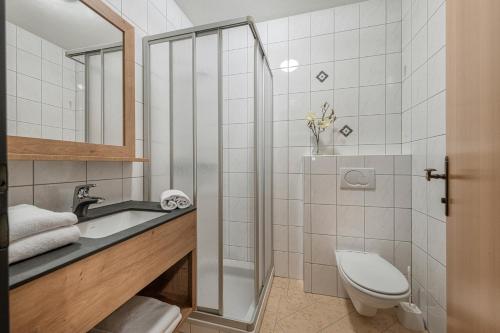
108,225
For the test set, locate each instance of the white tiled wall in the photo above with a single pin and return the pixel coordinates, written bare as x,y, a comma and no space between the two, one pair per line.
41,88
238,127
376,220
424,136
50,184
359,48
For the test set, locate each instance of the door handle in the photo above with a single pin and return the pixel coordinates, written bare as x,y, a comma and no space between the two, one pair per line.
429,175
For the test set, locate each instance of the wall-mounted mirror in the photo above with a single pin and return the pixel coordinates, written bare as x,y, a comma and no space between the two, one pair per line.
70,79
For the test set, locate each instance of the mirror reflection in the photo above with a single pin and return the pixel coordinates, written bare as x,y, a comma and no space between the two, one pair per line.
64,72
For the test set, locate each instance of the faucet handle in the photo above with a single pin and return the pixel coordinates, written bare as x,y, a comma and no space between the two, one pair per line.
82,191
82,200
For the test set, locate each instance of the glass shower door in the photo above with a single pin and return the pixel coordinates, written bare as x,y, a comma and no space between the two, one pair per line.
208,102
209,173
259,111
264,111
268,171
239,173
159,114
171,107
183,98
181,116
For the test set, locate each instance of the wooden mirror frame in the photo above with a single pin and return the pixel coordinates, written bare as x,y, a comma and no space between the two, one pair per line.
24,148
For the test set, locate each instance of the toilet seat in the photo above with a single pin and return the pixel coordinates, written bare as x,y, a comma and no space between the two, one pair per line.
371,273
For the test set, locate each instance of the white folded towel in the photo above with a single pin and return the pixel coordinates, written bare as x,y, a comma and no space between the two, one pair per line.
176,322
170,329
31,246
141,314
172,199
28,220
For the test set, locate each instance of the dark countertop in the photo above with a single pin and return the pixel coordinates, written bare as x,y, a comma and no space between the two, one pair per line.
30,269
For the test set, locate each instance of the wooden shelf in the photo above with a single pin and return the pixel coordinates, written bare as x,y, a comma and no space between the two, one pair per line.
176,286
44,157
185,312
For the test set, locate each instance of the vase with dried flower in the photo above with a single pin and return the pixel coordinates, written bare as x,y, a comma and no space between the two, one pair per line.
318,125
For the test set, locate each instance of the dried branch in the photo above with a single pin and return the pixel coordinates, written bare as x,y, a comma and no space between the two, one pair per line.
319,125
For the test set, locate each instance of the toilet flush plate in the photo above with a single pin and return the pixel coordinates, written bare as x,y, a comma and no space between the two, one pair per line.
357,178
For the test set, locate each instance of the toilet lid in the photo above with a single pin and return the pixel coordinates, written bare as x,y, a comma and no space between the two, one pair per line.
374,273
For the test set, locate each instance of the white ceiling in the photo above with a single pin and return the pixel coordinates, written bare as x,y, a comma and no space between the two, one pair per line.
67,23
207,11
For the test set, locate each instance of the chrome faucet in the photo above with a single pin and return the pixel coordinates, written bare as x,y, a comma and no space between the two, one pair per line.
82,200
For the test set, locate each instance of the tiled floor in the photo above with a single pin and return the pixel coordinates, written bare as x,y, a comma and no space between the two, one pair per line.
290,309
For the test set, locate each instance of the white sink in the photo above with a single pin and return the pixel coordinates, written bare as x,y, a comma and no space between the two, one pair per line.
111,224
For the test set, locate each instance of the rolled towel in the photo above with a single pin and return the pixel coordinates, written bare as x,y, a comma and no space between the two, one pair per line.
168,205
28,220
182,202
140,314
172,199
31,246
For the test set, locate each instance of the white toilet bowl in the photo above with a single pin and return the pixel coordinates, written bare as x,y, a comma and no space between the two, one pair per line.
371,281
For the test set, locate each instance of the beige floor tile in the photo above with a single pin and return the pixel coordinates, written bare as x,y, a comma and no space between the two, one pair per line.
273,303
382,321
299,322
278,292
360,324
398,328
325,314
279,282
334,300
298,292
292,303
290,310
345,325
268,322
297,285
342,326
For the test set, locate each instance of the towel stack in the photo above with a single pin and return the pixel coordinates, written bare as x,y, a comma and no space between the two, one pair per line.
173,199
33,231
141,314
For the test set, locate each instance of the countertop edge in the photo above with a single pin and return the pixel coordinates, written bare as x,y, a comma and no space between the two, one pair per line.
30,270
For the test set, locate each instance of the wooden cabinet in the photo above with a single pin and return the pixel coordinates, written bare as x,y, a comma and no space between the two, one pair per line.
160,262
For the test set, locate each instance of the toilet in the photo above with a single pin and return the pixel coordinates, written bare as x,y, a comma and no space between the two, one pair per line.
371,281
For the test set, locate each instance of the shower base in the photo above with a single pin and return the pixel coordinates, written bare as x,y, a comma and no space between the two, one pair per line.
241,313
239,289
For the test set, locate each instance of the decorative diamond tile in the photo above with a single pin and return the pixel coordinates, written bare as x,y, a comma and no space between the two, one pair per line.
322,76
346,131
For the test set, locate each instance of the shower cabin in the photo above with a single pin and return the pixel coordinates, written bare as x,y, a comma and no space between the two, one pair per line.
208,98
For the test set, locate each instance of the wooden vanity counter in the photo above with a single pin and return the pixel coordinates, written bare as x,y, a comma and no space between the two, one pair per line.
160,262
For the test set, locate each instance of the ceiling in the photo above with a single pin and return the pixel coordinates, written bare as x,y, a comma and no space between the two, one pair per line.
207,11
67,23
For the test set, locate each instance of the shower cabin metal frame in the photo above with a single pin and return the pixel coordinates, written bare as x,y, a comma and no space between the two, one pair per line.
191,33
86,53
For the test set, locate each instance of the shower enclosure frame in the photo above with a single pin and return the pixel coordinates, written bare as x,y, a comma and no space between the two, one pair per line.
206,314
86,53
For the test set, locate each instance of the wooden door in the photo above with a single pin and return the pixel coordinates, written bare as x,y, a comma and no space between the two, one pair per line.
473,145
